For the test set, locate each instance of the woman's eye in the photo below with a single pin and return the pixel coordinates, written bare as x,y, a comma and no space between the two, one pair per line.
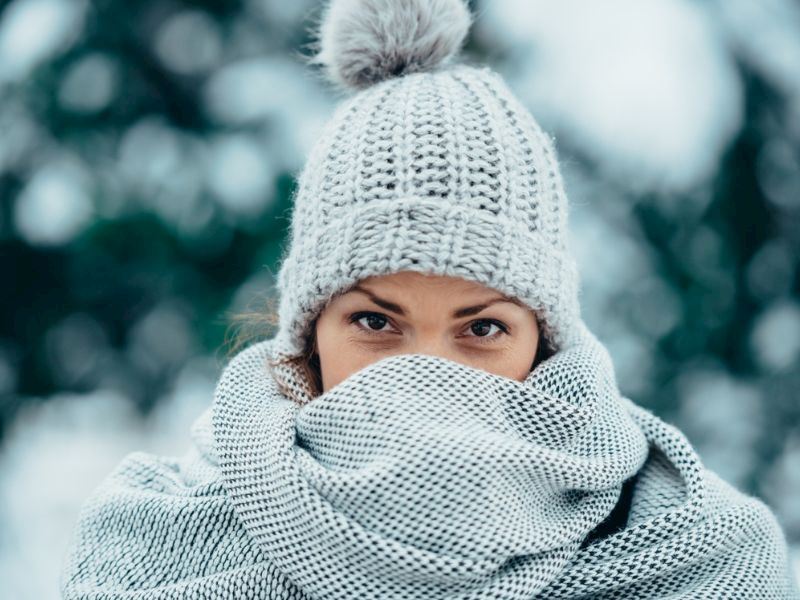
373,322
482,328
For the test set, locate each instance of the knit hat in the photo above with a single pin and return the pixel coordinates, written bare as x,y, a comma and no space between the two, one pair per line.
429,165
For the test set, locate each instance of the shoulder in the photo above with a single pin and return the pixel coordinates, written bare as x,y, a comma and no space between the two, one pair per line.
745,513
707,533
157,523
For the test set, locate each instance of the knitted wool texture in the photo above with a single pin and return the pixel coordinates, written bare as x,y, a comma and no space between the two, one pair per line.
421,478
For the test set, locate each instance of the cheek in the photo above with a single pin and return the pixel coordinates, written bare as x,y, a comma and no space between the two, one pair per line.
522,365
337,366
518,357
515,363
338,356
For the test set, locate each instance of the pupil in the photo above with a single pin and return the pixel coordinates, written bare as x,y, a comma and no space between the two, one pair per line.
480,325
371,321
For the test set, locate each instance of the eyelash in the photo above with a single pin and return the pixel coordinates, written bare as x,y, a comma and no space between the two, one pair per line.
485,339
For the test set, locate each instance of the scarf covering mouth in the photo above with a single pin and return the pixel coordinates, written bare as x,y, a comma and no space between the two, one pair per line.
420,477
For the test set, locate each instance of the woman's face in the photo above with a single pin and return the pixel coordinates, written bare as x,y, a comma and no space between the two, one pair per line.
410,312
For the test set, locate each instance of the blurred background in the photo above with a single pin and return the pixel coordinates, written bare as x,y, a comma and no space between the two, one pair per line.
149,152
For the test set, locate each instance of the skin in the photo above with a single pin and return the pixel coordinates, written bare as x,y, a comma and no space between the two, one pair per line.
355,330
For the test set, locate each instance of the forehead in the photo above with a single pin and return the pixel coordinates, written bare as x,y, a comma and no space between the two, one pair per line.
460,298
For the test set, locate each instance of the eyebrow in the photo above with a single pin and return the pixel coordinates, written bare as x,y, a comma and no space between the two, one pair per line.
465,311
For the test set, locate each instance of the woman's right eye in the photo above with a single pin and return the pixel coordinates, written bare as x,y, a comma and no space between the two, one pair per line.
372,322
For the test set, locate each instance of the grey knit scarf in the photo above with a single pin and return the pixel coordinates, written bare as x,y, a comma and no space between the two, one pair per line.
420,477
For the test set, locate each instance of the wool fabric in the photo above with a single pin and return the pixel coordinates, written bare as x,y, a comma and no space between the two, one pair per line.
422,478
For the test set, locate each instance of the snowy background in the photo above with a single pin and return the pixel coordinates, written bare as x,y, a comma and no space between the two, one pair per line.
148,154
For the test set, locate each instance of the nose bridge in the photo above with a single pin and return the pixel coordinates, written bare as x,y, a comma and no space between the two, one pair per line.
433,342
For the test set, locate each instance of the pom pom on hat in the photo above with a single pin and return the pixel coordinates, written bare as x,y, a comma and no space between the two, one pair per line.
363,42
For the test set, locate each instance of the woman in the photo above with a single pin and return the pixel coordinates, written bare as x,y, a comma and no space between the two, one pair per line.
432,418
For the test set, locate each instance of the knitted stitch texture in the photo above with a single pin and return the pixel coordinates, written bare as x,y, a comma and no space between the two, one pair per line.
421,478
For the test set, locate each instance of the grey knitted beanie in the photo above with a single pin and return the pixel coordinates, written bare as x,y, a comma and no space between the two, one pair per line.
429,165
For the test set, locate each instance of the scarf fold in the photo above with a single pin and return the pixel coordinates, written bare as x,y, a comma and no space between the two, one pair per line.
420,477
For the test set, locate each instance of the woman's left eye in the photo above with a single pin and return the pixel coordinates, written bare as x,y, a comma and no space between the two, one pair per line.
482,329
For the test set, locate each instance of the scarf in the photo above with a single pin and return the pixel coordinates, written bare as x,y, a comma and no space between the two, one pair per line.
421,477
